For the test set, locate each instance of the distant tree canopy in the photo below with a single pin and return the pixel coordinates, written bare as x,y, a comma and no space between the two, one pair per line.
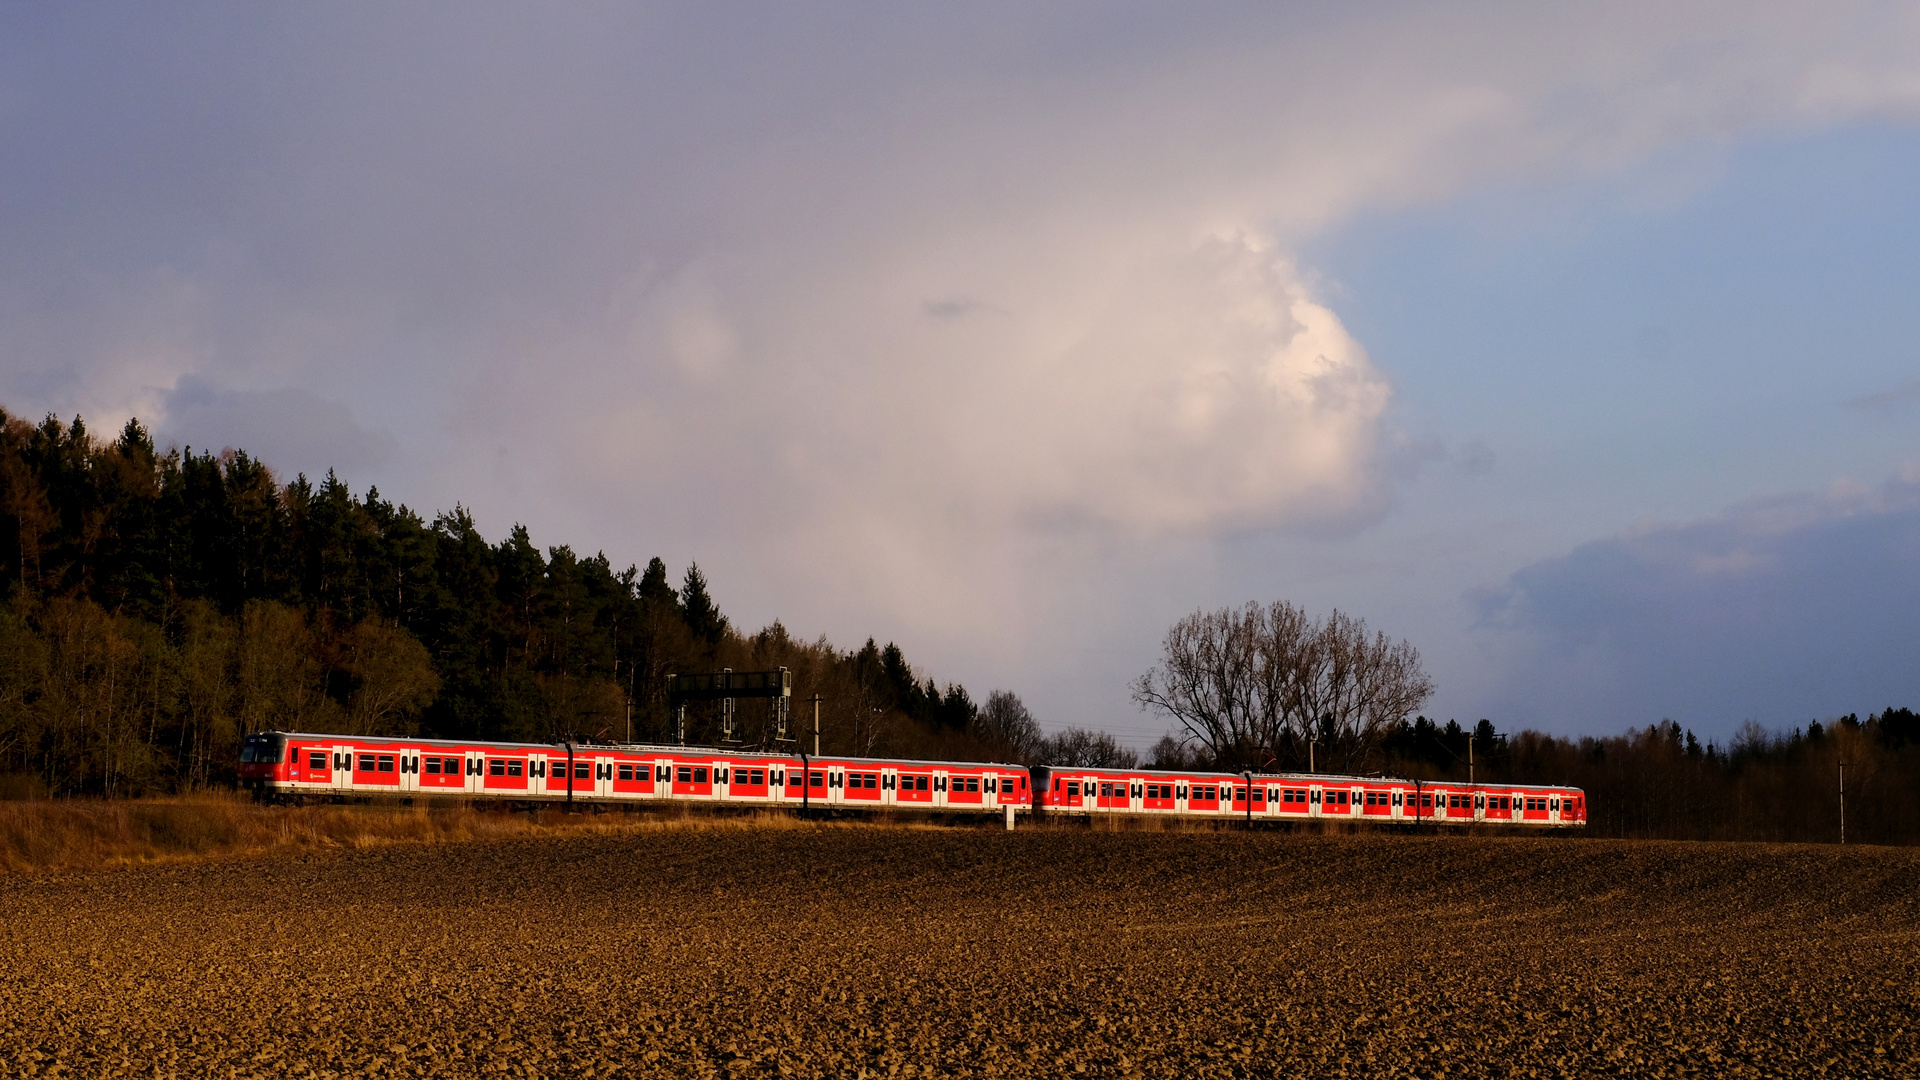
1262,685
155,606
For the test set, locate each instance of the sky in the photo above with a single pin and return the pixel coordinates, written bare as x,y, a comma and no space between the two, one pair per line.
1575,344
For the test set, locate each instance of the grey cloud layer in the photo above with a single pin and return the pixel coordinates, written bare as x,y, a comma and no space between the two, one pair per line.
939,319
1780,611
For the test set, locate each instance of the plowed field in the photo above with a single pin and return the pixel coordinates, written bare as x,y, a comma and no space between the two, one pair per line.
917,952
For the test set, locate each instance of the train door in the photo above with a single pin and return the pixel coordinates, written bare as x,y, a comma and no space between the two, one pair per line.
1553,810
603,778
409,769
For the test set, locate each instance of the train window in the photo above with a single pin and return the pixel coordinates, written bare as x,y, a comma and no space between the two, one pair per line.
919,783
514,768
365,764
973,784
317,760
684,775
386,763
1153,791
1179,793
719,776
433,766
757,776
699,775
626,772
993,783
496,767
1554,805
1073,789
815,779
582,771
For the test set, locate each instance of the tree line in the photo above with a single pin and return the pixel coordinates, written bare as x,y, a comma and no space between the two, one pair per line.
1272,689
157,605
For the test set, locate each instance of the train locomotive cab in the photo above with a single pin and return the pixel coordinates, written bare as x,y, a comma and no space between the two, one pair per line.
262,760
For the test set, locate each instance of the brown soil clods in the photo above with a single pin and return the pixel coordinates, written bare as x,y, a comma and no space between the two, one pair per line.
914,952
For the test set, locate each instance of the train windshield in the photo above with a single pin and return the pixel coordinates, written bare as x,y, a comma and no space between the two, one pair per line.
263,749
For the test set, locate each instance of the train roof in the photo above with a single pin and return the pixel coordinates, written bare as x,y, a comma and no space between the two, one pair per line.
657,749
794,757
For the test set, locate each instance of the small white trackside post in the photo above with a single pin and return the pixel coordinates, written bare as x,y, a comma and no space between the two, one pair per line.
1009,818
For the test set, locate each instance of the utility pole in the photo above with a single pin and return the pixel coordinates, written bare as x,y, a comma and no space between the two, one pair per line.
1311,743
816,699
1470,741
1843,804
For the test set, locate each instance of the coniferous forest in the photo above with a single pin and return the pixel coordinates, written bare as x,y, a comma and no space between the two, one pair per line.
157,605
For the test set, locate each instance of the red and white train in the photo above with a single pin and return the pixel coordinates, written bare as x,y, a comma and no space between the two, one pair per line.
294,765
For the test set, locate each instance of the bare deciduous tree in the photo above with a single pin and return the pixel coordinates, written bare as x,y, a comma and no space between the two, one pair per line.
1087,749
1249,685
1007,727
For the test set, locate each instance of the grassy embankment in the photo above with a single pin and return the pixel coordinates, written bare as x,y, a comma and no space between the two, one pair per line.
72,834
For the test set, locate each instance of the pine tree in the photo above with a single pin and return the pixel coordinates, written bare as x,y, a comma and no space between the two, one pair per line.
703,618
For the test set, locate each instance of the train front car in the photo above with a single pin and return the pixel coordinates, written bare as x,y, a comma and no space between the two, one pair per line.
263,766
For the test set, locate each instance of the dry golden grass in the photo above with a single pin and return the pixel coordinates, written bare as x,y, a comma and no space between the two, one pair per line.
808,951
43,836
